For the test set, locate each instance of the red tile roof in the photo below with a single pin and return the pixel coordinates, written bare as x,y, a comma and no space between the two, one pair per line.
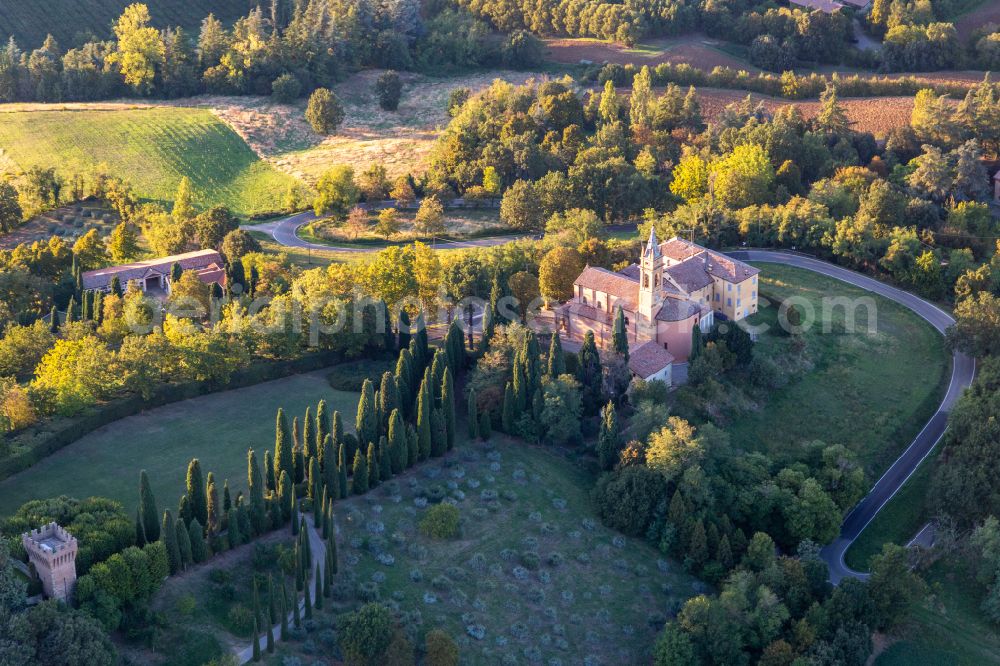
603,280
649,359
101,278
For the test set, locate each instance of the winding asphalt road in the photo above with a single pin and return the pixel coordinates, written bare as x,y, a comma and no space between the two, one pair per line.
285,232
962,373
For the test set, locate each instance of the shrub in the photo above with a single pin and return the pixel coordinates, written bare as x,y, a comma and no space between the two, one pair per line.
240,620
286,89
440,522
324,111
366,633
530,560
441,649
350,376
388,89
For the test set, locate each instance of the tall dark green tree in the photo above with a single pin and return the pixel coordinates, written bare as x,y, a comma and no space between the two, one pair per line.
609,438
588,373
184,545
448,408
371,460
342,463
365,425
286,491
556,360
147,509
330,470
384,459
619,335
473,415
197,498
168,534
454,345
697,344
359,479
284,460
270,482
397,442
509,409
425,406
255,484
310,445
199,551
388,400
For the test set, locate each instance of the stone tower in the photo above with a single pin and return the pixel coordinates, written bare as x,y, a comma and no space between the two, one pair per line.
651,275
53,552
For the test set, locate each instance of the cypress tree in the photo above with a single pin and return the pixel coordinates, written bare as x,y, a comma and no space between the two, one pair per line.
140,532
98,308
609,439
327,510
507,418
448,407
272,605
197,535
256,638
306,548
538,406
197,498
360,478
313,479
371,459
424,408
307,602
337,429
298,565
439,434
300,464
697,344
233,530
556,360
485,426
322,427
168,534
438,366
227,500
319,503
85,306
213,516
255,600
184,510
412,446
116,286
384,459
184,545
258,512
294,515
352,446
421,339
404,329
404,388
296,616
519,385
328,465
284,610
342,474
388,400
619,335
147,509
319,588
397,442
473,416
54,320
283,456
588,373
276,512
309,443
365,424
270,483
243,517
455,346
286,492
69,310
532,363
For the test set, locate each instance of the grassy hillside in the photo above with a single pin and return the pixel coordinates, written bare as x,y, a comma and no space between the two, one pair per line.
72,21
152,147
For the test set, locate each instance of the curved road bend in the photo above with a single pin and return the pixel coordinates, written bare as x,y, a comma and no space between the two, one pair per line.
962,373
285,232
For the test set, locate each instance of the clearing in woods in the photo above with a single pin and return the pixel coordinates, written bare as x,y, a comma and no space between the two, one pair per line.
151,147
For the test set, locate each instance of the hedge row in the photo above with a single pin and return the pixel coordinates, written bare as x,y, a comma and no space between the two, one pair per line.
32,445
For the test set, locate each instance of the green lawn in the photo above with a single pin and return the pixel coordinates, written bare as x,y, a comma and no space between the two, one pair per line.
152,148
949,628
592,594
217,428
871,393
68,20
898,522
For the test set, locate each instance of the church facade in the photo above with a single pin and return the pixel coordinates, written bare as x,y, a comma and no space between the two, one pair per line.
676,286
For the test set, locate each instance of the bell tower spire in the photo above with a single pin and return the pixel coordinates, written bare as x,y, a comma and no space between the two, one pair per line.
651,277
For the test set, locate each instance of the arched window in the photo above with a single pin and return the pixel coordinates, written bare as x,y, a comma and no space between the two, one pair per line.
645,280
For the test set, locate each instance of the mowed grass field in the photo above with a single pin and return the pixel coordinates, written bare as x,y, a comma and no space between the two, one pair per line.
152,147
870,392
69,20
217,429
533,567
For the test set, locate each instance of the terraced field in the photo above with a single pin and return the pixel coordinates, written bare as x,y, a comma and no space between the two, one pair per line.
152,147
30,22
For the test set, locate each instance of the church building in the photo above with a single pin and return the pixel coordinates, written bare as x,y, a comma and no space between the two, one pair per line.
676,286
